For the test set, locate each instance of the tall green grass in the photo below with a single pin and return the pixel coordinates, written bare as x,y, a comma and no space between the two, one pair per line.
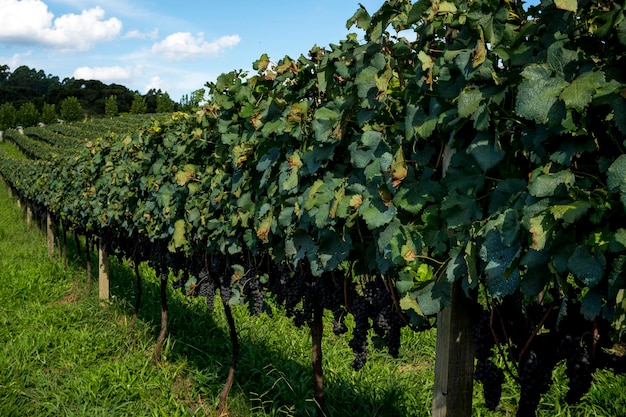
63,354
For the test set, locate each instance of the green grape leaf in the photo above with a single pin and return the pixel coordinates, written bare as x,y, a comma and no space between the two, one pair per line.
324,121
586,266
362,152
376,213
580,92
459,209
486,152
538,93
616,175
361,19
468,101
621,32
618,241
591,306
545,184
571,212
333,249
502,274
417,122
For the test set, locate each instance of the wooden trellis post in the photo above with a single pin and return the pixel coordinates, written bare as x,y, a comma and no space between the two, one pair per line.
50,235
454,357
103,272
454,361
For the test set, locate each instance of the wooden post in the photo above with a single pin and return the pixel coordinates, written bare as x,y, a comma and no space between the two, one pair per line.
50,234
29,216
454,356
454,359
103,272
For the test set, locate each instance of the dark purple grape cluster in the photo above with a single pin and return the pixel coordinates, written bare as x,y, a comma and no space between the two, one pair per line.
537,336
492,378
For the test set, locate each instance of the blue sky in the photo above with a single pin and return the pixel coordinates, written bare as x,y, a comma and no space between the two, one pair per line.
176,46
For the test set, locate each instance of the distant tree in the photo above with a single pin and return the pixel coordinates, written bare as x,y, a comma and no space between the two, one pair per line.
110,106
49,113
5,72
139,105
191,102
27,115
151,98
164,104
71,109
7,116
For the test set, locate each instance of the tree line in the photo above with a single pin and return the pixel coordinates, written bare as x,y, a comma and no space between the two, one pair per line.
29,96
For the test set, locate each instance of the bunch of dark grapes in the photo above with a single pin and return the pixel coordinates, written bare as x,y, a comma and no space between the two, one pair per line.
535,377
309,300
339,326
579,369
360,311
386,321
207,290
492,378
287,290
483,337
255,295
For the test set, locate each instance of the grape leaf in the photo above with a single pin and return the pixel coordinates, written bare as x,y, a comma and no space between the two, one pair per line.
376,213
569,5
500,270
580,92
178,237
468,102
616,175
546,184
538,93
569,213
587,267
486,152
591,306
324,120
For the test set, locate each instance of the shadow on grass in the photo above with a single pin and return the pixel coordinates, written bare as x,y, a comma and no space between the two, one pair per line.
274,375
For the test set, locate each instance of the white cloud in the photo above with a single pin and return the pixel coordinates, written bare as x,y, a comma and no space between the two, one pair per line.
16,60
136,34
156,83
184,45
30,22
107,74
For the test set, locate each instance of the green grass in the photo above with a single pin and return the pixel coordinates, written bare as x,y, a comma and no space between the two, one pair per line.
63,354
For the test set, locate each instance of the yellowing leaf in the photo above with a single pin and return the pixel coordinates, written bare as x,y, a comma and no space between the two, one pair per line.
447,7
398,168
179,233
183,176
408,254
408,303
386,196
569,5
263,231
356,201
262,63
294,161
480,53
